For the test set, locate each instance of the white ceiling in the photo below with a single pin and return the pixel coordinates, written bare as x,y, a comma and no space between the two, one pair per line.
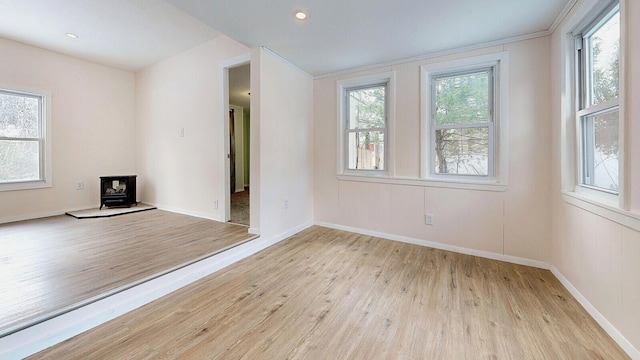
338,35
126,34
347,34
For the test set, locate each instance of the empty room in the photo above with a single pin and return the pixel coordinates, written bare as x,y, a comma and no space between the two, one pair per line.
295,179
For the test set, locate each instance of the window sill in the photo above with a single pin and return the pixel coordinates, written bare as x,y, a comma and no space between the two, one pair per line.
27,185
450,184
610,212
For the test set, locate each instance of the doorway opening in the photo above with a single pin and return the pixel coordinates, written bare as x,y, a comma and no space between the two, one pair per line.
239,141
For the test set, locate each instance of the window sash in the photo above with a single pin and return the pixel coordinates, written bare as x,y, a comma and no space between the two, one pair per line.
586,110
41,140
40,164
490,150
490,91
489,124
349,130
588,148
584,63
40,122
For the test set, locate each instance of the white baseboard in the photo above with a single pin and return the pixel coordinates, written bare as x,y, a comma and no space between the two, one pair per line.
186,212
48,333
597,316
6,220
41,215
441,246
292,231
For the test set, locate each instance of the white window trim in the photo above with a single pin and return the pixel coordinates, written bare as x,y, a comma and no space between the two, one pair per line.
389,146
574,194
45,160
500,62
593,194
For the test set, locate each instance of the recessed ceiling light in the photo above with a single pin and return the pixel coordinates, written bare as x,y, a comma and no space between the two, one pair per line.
300,15
72,35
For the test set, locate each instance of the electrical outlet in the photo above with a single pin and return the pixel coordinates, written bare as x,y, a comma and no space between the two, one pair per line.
80,185
428,219
215,205
286,203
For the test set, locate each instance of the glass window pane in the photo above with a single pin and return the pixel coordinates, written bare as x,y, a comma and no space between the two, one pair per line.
367,108
605,61
605,157
366,150
19,161
19,115
462,99
462,151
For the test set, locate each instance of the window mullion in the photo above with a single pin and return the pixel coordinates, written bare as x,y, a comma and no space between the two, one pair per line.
366,130
599,108
6,138
462,126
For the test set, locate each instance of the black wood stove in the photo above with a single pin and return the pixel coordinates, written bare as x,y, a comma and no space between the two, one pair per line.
118,190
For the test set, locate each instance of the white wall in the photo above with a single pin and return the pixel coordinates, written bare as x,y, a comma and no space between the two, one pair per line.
598,256
282,118
184,174
92,127
515,222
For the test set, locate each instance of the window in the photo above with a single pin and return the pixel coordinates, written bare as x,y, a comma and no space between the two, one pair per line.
464,119
364,122
366,127
462,123
598,74
593,119
24,146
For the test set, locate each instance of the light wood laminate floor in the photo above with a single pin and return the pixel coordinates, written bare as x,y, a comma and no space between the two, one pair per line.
328,294
51,264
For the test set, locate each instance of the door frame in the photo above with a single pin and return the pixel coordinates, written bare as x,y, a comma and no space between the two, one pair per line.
239,134
245,59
